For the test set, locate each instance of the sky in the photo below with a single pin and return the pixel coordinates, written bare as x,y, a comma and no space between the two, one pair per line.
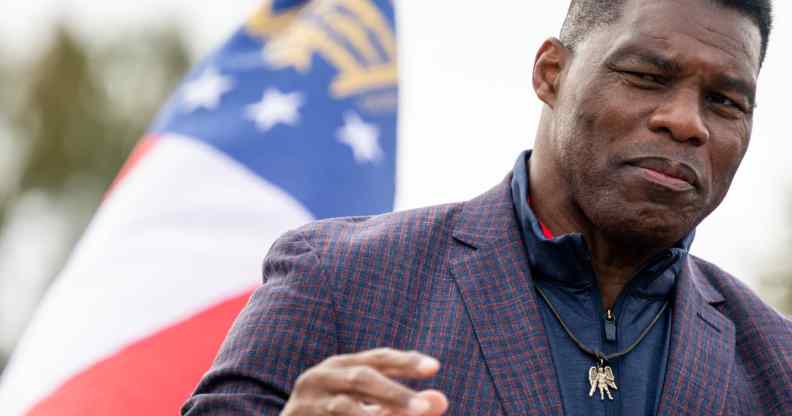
467,105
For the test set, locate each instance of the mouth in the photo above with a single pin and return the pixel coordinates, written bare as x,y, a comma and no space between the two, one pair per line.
673,175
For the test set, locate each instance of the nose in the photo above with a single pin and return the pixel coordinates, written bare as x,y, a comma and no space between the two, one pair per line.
681,118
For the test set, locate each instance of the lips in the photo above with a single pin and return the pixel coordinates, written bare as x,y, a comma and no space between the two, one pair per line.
676,171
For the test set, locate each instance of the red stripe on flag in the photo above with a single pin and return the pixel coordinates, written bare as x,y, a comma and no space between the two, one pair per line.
141,148
153,376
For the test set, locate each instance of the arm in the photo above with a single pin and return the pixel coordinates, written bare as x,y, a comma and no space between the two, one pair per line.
280,354
286,327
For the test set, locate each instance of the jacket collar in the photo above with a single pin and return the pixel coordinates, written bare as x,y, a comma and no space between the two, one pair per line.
702,349
491,270
566,259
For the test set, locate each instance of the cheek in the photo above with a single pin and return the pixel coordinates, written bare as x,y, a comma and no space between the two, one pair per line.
606,122
727,150
595,119
615,109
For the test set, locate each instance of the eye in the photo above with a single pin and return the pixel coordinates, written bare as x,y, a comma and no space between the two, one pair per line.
650,78
721,100
644,80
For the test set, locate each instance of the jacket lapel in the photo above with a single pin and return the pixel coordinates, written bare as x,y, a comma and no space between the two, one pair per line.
701,356
491,271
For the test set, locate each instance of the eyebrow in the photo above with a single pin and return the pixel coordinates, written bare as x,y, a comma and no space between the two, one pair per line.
642,56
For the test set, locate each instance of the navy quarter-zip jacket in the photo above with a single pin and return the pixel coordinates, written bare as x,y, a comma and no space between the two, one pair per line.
561,267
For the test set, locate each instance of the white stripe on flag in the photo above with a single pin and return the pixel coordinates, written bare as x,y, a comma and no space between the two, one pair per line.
186,229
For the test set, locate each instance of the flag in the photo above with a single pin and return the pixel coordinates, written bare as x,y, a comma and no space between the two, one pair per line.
293,119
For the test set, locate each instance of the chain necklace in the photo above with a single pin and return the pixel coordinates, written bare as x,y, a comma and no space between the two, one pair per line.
601,375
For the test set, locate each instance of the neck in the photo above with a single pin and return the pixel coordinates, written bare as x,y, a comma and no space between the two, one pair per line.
615,265
615,261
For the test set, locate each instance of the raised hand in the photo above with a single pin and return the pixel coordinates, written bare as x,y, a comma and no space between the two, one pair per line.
362,384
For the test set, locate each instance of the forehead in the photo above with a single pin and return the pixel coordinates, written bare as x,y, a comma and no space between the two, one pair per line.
694,31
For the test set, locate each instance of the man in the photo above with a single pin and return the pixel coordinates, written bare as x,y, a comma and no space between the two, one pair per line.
566,289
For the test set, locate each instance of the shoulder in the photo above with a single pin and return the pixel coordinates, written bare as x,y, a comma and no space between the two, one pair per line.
353,242
370,268
740,303
404,228
762,335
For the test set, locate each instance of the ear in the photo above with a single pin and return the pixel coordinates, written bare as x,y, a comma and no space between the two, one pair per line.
549,64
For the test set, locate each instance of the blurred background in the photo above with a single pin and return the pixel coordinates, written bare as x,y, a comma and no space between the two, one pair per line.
81,79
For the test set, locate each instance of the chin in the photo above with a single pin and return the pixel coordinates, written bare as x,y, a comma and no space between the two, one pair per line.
649,226
648,234
637,215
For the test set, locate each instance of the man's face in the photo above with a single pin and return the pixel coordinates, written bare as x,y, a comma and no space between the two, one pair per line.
654,115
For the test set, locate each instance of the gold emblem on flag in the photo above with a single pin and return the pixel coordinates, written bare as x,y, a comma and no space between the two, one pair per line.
353,36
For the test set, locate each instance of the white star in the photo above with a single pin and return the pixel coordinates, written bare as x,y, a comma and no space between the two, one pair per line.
276,107
362,137
206,90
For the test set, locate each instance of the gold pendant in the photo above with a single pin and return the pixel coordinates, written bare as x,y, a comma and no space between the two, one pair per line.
601,377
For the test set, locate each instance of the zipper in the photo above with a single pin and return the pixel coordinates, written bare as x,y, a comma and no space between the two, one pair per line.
612,408
610,317
610,326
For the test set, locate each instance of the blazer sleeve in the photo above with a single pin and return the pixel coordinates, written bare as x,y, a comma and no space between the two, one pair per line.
287,326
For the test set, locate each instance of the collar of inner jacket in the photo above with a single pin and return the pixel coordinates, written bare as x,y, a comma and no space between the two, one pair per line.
566,260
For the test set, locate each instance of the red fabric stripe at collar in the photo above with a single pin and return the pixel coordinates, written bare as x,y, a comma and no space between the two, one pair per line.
546,231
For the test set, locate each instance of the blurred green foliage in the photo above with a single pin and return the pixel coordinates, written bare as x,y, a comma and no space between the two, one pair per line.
69,118
778,290
776,282
84,109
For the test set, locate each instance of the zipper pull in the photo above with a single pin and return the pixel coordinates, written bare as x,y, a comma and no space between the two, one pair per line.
610,326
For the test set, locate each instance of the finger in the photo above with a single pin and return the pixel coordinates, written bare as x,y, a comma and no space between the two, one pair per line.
391,362
371,385
438,403
374,409
342,405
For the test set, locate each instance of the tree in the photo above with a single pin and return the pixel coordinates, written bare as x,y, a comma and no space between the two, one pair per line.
73,116
776,282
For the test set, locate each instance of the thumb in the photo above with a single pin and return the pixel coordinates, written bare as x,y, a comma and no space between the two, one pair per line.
437,400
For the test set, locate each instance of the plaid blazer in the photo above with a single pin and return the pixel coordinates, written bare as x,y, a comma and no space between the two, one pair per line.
453,281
